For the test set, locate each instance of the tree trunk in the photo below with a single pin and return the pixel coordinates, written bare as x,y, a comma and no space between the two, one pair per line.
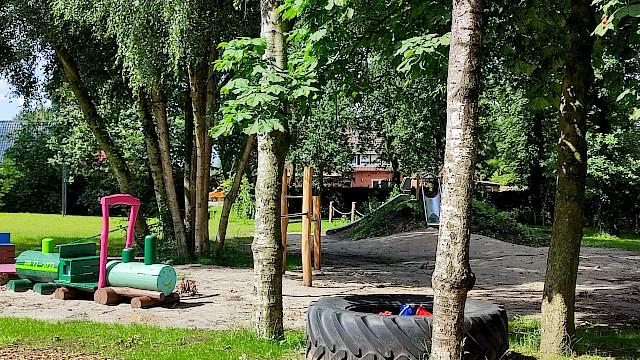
536,140
189,174
155,164
94,120
230,198
452,277
197,80
160,111
395,173
267,242
557,321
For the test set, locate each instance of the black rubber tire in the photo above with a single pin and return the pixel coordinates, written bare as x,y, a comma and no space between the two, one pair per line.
349,328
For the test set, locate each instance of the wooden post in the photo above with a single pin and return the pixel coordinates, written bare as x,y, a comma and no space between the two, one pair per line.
330,211
353,211
317,237
418,189
284,222
306,227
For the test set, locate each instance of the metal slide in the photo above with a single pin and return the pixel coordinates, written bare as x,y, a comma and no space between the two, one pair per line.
431,207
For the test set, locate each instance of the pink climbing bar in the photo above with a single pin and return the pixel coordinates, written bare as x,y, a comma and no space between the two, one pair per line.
117,199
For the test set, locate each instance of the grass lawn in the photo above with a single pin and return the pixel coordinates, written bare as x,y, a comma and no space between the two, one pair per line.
146,342
600,239
590,342
594,238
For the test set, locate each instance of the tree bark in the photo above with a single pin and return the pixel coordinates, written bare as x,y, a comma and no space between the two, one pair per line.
94,120
536,140
205,95
557,321
197,80
160,111
189,174
267,242
155,164
230,198
452,277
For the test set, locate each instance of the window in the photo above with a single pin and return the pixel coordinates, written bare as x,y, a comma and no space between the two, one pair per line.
378,183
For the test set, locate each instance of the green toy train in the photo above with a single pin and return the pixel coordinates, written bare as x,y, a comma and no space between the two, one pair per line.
75,267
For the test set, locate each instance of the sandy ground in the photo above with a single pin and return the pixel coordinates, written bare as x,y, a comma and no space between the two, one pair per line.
512,275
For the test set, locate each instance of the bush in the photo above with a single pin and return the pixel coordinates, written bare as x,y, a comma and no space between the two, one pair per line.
489,221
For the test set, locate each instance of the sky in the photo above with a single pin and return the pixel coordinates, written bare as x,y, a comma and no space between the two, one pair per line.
10,105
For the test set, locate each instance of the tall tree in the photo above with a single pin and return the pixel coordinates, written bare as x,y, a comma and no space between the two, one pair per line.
452,277
272,150
230,197
557,322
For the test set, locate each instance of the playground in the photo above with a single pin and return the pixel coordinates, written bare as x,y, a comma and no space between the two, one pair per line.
608,288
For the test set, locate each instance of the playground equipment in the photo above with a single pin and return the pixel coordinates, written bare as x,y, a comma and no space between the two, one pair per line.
308,215
76,268
431,205
353,212
7,258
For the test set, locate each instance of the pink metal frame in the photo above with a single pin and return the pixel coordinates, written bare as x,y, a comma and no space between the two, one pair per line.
117,199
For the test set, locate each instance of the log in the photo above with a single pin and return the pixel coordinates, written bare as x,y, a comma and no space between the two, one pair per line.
317,237
156,277
45,288
63,293
307,277
4,278
20,285
131,292
145,302
106,296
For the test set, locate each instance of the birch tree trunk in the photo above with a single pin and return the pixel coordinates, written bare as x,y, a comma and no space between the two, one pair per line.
94,120
155,164
267,242
230,198
557,321
160,111
189,174
197,80
452,277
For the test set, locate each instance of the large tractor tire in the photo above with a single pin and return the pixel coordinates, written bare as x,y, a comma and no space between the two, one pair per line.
350,328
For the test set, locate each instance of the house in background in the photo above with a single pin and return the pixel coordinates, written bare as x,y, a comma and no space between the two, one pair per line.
368,170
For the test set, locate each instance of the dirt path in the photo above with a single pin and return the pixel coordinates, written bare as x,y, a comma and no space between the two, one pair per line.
512,275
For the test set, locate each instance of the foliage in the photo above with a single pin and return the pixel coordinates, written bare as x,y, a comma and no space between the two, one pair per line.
319,138
487,220
259,90
141,341
30,182
245,205
388,220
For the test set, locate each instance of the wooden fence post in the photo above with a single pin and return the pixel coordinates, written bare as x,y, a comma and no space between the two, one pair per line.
306,227
330,211
317,237
284,221
353,211
418,189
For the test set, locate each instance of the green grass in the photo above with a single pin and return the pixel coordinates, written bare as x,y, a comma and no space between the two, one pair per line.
28,230
595,238
146,342
601,239
593,342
